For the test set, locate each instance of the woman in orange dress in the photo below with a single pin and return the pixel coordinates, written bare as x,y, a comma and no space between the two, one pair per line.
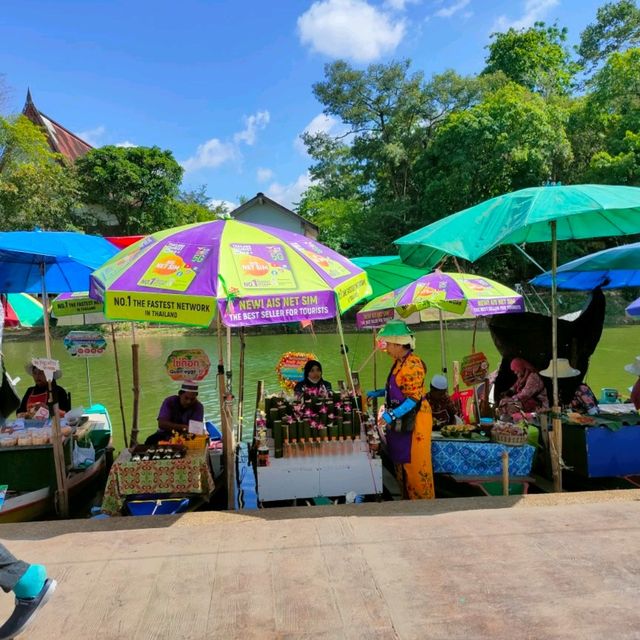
407,416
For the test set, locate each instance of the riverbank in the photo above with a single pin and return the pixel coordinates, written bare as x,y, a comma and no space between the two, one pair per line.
541,566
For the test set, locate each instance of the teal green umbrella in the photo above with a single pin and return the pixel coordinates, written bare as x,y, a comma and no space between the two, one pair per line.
387,273
537,214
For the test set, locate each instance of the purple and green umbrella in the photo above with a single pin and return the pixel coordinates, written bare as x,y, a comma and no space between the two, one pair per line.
456,295
252,273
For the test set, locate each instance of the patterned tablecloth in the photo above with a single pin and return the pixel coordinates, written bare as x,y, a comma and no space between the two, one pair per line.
188,475
465,458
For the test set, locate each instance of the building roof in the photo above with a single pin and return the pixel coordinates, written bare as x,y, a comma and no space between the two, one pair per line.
260,198
61,140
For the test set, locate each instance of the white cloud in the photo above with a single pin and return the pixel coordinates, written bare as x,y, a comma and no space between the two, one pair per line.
264,175
533,11
289,194
349,29
230,206
452,9
126,143
92,136
399,5
253,124
322,123
210,155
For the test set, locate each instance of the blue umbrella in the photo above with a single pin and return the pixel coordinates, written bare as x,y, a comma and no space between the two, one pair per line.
633,309
613,268
67,259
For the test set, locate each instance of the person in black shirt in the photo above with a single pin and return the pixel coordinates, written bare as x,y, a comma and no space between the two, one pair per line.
312,383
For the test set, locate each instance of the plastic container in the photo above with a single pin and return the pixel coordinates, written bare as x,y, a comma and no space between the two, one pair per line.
160,507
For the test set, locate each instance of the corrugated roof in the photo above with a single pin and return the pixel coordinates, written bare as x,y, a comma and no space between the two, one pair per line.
60,138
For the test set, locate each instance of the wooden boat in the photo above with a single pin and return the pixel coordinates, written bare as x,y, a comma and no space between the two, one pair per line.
29,472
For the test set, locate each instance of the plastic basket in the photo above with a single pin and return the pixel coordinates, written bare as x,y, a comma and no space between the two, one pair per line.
196,443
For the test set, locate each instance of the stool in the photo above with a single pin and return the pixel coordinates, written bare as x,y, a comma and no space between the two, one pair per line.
609,396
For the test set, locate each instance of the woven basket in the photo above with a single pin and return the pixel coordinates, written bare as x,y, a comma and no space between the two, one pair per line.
509,439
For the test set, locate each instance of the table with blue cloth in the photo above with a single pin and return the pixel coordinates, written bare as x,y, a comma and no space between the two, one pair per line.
468,458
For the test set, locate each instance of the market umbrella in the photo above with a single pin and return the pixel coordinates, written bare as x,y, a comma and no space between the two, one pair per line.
613,268
22,310
387,273
50,261
633,309
251,274
537,214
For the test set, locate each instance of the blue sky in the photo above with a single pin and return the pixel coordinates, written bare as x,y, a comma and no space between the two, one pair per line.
226,84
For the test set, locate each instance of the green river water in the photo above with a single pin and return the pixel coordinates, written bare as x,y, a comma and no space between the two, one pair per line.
617,347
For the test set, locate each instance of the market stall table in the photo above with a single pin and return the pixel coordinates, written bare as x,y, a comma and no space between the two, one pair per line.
190,475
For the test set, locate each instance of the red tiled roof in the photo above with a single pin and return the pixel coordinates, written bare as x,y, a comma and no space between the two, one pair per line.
60,139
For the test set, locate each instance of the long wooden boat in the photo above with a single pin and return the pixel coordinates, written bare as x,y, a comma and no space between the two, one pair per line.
29,472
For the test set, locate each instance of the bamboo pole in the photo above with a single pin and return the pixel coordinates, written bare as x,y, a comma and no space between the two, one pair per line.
135,365
556,435
505,473
443,348
241,385
62,496
375,371
227,427
119,383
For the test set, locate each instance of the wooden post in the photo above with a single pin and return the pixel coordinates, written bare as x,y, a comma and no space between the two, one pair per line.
62,495
119,382
375,372
505,473
135,352
556,436
241,385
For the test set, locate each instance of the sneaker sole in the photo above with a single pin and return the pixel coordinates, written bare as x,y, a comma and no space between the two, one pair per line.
45,598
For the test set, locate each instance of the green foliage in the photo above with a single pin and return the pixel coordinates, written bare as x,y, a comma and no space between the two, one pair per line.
535,58
36,188
617,27
135,186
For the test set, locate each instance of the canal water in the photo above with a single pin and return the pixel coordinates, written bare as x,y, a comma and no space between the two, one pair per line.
617,347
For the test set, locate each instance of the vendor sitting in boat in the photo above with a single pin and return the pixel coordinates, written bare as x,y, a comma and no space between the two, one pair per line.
35,398
312,383
442,408
176,412
527,394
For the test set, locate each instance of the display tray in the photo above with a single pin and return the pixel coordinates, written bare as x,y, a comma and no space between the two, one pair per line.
475,437
158,452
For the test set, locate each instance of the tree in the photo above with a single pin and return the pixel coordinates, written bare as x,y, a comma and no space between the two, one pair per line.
137,186
36,187
536,58
616,28
195,206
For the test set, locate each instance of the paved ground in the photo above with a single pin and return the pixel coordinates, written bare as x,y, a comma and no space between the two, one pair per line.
502,568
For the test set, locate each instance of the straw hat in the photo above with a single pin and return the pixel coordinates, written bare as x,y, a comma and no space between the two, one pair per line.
565,370
189,385
634,367
397,332
30,368
439,382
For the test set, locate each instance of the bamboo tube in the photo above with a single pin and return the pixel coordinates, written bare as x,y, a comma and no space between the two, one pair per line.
277,438
505,473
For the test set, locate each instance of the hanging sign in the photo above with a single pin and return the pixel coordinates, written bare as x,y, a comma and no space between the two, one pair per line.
474,368
85,344
188,364
290,368
46,365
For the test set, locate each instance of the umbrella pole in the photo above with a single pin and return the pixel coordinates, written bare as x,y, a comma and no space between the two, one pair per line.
443,348
119,382
135,364
227,429
241,385
62,497
556,435
86,362
375,371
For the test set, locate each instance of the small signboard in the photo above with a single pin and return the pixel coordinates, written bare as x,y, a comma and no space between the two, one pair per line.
290,368
48,366
188,364
85,344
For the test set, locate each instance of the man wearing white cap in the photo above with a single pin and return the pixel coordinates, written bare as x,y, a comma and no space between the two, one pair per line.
176,412
442,407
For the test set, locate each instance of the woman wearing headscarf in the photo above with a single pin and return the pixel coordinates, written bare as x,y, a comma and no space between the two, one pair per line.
407,414
312,383
527,393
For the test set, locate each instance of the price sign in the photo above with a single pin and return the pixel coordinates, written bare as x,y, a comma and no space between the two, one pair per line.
48,366
85,344
188,364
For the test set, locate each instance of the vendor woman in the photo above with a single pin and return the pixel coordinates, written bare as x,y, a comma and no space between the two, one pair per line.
312,383
407,416
36,397
176,412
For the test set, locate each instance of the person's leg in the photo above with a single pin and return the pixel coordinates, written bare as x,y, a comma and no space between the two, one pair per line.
11,569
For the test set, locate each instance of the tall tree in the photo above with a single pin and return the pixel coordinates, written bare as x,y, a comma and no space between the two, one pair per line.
536,58
36,187
137,186
617,27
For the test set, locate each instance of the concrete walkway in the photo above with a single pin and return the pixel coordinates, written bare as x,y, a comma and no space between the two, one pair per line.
537,567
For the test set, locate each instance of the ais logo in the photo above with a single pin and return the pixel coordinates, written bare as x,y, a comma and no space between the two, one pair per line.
254,266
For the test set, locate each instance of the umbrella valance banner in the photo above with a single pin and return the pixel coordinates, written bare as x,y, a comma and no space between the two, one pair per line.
254,274
613,268
73,304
